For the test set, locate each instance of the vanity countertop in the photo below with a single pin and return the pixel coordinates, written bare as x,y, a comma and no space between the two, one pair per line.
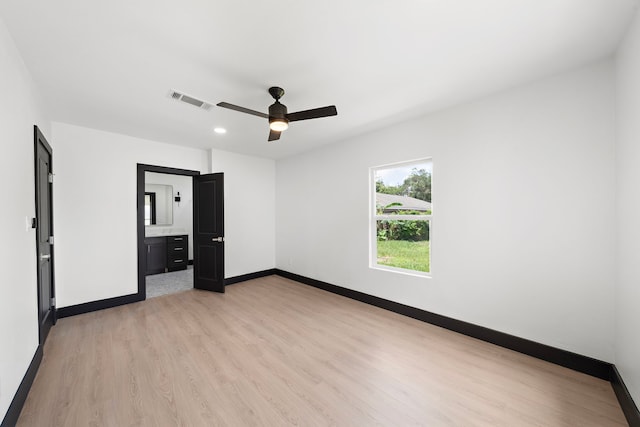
161,231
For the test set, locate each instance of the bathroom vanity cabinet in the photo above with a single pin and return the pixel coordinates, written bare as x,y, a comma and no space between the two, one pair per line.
177,252
166,253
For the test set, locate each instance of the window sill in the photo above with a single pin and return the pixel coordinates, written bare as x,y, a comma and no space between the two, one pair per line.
403,271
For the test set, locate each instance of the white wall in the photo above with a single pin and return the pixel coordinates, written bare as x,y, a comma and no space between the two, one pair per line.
522,237
249,206
95,208
182,213
20,109
628,211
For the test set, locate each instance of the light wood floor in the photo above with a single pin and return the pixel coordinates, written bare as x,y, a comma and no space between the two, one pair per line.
273,352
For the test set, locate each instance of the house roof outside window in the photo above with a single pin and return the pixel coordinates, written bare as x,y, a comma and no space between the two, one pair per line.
406,203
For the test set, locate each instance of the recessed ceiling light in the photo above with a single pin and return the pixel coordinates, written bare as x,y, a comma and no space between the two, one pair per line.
220,130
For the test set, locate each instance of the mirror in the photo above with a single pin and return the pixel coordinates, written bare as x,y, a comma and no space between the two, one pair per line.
158,204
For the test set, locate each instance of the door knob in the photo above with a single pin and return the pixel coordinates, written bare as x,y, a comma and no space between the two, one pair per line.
218,239
43,257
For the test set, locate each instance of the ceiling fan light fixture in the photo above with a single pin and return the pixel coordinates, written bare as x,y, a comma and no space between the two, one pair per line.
278,125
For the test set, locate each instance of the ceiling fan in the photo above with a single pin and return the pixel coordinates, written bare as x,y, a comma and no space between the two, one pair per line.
278,117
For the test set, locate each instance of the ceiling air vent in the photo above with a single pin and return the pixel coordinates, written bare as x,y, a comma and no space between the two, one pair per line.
189,100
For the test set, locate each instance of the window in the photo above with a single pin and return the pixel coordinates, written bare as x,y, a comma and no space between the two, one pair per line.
401,217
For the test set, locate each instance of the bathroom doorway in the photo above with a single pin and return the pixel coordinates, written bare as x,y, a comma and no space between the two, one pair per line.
165,230
180,230
168,221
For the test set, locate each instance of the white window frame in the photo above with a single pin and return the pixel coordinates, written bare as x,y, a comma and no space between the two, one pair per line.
374,217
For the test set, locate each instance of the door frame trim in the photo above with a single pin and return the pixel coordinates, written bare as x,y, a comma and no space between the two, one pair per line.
142,259
39,138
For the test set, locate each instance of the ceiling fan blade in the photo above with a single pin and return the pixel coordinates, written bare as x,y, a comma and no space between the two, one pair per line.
313,114
242,109
274,135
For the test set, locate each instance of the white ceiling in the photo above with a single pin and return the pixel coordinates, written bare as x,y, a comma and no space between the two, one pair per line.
110,64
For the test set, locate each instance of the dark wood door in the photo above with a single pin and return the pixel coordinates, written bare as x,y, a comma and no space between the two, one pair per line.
208,232
44,234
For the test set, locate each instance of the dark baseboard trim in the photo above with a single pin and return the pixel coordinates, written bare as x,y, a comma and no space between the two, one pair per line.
577,362
87,307
249,276
13,413
624,398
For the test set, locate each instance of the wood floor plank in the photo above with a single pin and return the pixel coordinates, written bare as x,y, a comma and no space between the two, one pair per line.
272,352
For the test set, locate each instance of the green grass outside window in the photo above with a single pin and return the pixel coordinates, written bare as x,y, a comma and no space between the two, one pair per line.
404,254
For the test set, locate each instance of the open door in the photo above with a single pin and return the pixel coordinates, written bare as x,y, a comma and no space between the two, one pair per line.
208,232
44,234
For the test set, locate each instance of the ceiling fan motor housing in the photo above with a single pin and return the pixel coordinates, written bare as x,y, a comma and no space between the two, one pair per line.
278,112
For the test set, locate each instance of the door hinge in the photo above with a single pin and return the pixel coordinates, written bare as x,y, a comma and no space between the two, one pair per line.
51,240
50,178
53,302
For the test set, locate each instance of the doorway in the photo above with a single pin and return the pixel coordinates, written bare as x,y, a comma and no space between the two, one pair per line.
165,243
44,234
168,220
